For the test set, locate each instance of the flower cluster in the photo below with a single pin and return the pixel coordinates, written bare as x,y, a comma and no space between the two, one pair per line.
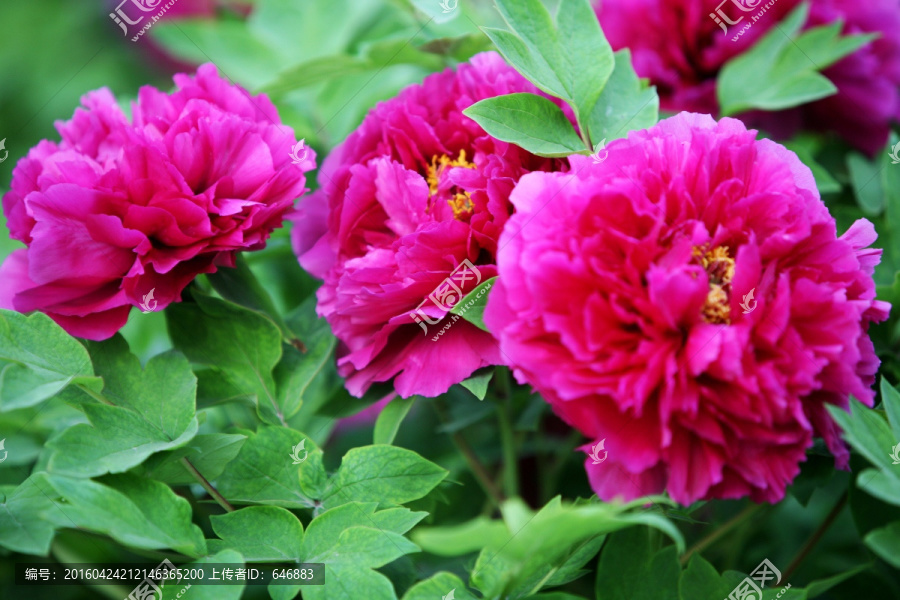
120,210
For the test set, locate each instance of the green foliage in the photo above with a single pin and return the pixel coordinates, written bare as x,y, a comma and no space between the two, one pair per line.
471,306
785,67
565,54
38,360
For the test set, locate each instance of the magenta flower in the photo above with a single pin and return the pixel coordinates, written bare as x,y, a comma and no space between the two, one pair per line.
689,302
409,196
681,49
119,214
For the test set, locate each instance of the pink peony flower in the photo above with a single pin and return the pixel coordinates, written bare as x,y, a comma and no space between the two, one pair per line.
689,302
681,49
409,196
122,213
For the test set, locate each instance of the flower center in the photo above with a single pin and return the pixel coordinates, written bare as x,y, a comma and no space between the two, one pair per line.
460,200
720,268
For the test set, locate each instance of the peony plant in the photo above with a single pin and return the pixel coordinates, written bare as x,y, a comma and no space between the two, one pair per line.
586,301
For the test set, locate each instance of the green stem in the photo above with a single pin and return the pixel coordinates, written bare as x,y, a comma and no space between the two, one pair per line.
507,437
815,537
722,530
94,394
478,469
206,485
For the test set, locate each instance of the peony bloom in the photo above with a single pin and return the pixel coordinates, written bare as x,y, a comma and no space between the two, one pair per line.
121,213
410,196
689,302
681,49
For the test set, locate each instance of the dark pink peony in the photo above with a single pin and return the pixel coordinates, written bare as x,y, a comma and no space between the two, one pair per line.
681,49
689,302
119,210
409,196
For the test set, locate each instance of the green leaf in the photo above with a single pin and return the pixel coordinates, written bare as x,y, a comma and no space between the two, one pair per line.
630,570
566,56
374,57
38,359
820,586
864,176
389,474
890,399
867,432
437,586
350,551
23,525
785,70
240,285
232,591
885,542
388,422
478,382
700,580
883,485
532,122
153,410
806,147
456,540
296,371
239,345
264,473
567,536
461,48
134,511
209,453
626,103
471,307
259,533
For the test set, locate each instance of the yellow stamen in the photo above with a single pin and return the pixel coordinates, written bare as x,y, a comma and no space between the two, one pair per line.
461,202
720,267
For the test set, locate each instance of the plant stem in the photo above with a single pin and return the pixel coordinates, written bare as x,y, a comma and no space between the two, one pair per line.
207,485
478,469
815,537
475,465
722,530
507,437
